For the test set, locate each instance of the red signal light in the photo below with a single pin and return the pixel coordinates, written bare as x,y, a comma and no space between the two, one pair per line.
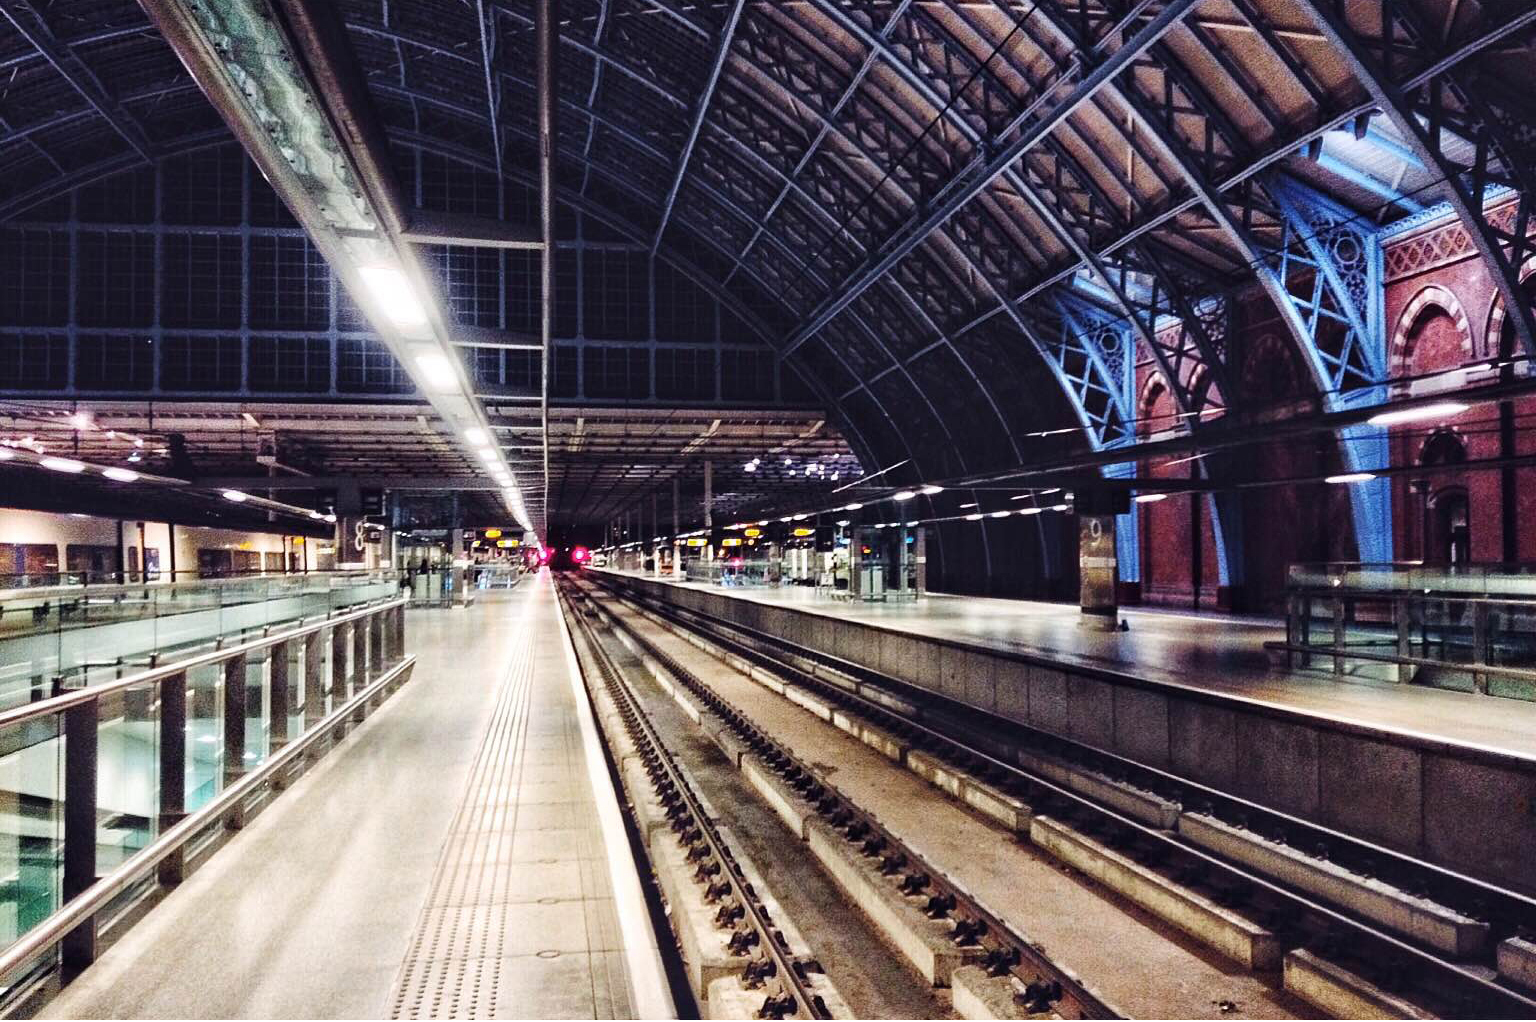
580,554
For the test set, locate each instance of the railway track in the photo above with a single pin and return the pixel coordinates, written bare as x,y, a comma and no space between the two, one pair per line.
1045,986
767,964
985,748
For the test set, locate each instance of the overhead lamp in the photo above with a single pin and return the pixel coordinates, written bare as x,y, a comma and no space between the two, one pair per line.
122,475
787,518
1150,498
910,524
476,437
974,518
964,506
236,496
1032,511
63,464
1351,477
316,515
394,295
852,507
930,490
437,370
489,454
750,466
801,518
331,519
904,495
1058,507
1001,514
1438,410
843,523
1053,489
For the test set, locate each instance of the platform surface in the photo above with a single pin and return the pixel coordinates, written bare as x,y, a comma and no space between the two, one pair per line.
445,860
1211,652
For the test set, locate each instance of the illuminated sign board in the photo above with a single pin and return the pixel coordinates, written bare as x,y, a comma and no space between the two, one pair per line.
802,533
492,533
505,543
697,541
754,532
731,541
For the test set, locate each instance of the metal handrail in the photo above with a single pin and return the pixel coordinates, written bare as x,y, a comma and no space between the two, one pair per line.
78,697
93,899
33,592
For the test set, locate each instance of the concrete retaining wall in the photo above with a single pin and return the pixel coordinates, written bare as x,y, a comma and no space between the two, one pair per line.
1469,809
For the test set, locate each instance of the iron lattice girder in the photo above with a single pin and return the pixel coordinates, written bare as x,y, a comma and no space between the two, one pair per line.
28,20
1406,98
1328,261
982,171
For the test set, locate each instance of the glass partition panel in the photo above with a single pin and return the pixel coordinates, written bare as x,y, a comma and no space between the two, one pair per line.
127,773
205,734
31,824
258,695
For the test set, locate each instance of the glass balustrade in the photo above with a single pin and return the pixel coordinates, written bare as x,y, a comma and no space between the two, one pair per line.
77,633
91,777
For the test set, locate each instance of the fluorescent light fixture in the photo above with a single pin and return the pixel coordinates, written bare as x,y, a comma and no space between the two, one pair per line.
316,515
122,475
852,507
964,506
801,518
439,374
787,518
397,299
843,523
1351,477
1438,410
973,518
331,519
930,490
1001,514
910,524
489,454
1150,498
63,464
476,436
1032,511
1058,507
1020,496
236,496
1053,489
904,495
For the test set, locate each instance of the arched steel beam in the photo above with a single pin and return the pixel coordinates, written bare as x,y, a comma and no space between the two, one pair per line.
1464,187
727,34
981,172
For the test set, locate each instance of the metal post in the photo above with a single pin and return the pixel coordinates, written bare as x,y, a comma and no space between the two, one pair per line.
173,769
1481,651
360,671
340,686
709,496
1402,613
234,718
544,30
314,691
1338,634
78,948
281,696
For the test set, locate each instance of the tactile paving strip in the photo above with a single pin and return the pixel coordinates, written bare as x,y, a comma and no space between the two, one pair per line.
519,921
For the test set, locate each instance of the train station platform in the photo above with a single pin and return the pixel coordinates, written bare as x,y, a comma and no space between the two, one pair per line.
460,854
1445,775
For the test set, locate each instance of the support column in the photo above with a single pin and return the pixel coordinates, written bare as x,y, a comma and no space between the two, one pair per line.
677,544
280,697
459,597
234,718
855,561
920,553
173,770
314,678
709,495
78,948
1098,556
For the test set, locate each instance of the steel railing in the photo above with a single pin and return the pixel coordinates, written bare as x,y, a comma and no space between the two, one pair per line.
338,680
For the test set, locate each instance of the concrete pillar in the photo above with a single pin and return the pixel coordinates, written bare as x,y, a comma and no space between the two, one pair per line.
855,560
709,495
1098,571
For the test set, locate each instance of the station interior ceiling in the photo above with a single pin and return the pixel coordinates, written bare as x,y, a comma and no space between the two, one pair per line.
832,249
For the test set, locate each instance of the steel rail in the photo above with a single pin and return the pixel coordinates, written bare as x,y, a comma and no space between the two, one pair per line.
1048,985
79,697
665,775
1496,1000
82,909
